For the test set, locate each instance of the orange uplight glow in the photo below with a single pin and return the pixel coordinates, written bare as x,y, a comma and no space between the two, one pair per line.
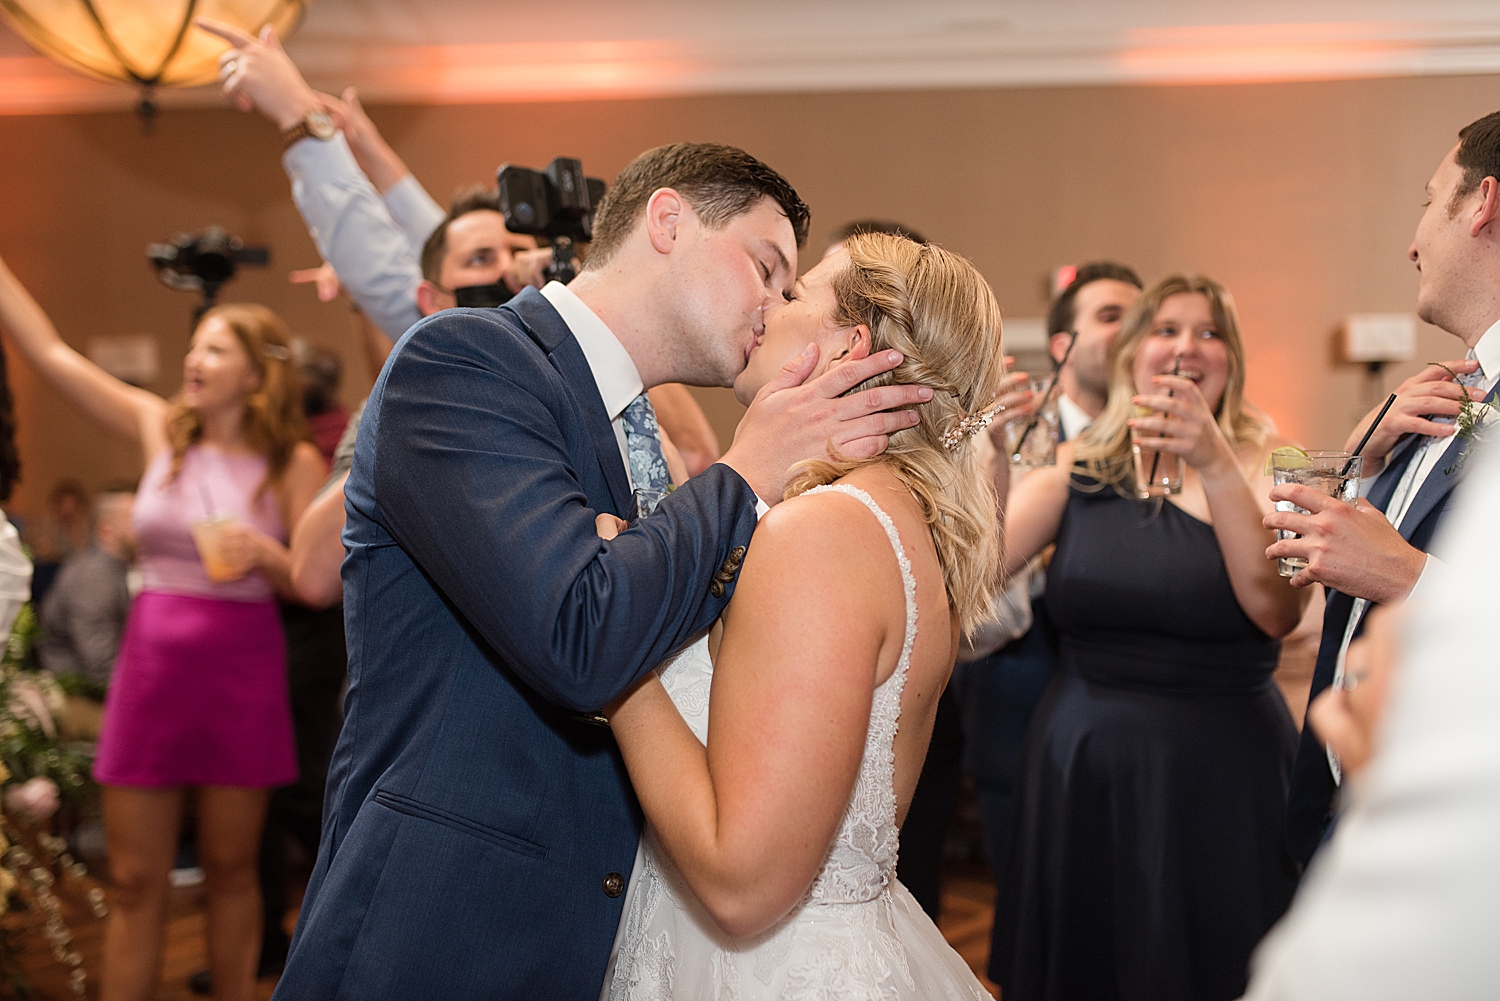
1262,52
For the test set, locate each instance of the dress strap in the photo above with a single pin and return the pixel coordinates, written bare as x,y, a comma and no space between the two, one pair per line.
908,582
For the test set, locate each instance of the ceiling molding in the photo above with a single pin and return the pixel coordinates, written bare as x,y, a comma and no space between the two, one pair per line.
831,57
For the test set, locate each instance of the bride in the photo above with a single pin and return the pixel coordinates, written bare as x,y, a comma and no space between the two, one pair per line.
768,867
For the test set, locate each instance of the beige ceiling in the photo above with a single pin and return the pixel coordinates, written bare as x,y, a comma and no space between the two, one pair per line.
453,51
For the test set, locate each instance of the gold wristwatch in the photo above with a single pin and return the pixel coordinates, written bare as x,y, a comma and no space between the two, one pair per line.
317,125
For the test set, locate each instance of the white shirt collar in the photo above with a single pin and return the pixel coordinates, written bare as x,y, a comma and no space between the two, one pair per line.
1487,351
614,371
1075,419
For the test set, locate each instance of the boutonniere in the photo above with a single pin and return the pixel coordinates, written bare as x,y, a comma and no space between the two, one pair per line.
1473,423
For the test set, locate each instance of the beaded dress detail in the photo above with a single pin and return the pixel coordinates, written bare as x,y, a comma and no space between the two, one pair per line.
857,932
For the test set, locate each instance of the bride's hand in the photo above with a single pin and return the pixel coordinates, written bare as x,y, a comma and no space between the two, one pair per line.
1183,424
608,526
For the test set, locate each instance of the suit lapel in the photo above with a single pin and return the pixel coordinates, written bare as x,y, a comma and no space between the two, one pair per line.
1440,481
549,331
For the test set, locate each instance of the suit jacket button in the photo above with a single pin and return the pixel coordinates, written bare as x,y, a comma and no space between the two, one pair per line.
614,885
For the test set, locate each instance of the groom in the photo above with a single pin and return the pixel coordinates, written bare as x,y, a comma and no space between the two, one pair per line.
479,828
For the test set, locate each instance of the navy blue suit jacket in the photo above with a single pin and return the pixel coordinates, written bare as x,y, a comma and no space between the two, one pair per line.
1311,793
473,820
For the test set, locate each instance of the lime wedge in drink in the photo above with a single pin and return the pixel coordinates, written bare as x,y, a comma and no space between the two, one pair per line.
1292,457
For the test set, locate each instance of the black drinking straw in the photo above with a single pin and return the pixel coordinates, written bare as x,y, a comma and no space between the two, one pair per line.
1037,413
1176,367
1373,425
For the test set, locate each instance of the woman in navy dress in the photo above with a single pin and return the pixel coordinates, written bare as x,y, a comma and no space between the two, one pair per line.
1147,859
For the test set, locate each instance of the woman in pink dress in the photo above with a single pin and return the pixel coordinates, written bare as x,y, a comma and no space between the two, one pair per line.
199,696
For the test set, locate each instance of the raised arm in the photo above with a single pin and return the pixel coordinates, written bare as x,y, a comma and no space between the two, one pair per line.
347,218
749,818
122,408
411,206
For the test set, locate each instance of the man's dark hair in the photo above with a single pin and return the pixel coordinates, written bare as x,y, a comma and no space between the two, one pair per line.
718,181
886,226
1063,314
475,199
1478,154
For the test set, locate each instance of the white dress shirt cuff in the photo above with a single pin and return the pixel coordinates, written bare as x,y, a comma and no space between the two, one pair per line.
1432,570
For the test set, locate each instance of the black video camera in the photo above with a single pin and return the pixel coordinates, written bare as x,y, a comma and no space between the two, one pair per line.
557,203
203,262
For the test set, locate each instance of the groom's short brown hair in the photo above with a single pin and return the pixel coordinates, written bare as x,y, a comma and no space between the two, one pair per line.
718,181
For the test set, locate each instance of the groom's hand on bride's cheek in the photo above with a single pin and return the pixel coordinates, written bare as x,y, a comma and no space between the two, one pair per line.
792,419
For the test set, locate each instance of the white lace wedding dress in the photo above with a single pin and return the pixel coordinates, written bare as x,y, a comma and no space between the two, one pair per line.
857,933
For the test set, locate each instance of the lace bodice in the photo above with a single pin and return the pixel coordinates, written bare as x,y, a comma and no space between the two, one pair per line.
863,854
856,933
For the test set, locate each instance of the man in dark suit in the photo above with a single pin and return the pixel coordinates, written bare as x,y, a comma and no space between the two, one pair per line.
1377,552
479,829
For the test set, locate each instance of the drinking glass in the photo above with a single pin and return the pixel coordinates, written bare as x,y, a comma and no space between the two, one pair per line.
1157,474
207,536
1039,445
1333,473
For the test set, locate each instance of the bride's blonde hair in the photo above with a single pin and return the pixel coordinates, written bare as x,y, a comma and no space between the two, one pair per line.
938,311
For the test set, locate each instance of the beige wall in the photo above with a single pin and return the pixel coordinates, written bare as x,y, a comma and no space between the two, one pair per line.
1300,197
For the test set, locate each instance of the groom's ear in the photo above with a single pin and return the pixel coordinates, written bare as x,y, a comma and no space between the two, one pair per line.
663,211
856,345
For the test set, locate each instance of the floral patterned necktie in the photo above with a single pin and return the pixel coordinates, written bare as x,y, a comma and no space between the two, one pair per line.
648,467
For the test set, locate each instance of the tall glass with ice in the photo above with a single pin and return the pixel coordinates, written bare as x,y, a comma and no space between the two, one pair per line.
1333,473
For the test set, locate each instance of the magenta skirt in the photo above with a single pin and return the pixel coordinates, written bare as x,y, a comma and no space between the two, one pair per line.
198,697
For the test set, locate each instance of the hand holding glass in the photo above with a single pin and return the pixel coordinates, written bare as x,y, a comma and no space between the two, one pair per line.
1333,473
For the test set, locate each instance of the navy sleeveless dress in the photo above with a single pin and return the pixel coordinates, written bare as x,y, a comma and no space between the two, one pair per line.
1147,858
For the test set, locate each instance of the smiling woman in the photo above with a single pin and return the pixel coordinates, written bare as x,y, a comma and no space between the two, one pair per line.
1154,775
199,694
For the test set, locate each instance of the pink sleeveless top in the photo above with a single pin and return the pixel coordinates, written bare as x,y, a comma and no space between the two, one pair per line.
209,483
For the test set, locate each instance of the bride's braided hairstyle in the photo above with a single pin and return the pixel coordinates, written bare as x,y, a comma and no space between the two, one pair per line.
938,311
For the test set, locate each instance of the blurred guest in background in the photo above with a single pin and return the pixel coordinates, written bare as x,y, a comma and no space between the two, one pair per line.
83,614
321,372
1147,860
999,690
62,530
394,249
199,695
1378,551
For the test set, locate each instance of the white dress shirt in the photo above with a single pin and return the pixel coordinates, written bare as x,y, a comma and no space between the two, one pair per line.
615,374
1075,419
1404,900
378,258
1432,451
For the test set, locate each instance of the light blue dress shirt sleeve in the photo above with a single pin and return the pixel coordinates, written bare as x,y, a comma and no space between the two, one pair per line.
414,210
355,232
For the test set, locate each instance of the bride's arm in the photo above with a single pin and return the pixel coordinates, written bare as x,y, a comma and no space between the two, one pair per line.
748,820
